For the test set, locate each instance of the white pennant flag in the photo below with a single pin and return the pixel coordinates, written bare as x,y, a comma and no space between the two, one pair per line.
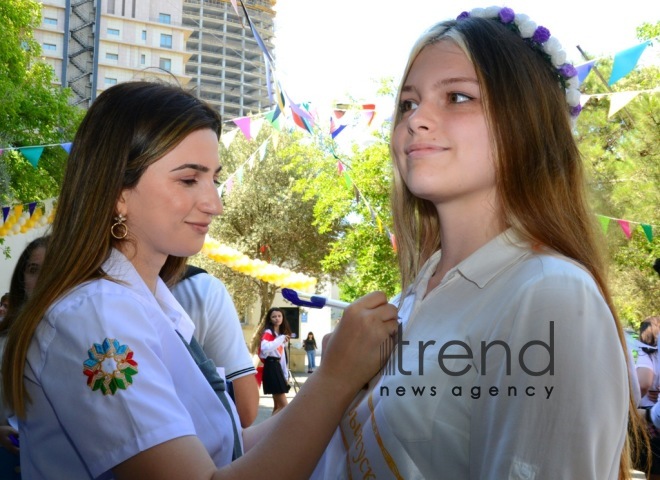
619,100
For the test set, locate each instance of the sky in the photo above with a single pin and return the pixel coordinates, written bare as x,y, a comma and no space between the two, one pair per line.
333,50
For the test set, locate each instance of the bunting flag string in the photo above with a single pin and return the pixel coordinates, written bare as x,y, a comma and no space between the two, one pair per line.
627,226
618,100
623,63
32,153
18,219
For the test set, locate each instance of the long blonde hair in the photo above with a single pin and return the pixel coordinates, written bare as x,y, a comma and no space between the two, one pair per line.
539,172
128,127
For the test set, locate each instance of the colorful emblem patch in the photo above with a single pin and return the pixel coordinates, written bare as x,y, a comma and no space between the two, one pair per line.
118,360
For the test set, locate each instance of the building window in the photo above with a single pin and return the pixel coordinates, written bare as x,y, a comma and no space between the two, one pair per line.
165,40
165,64
144,35
113,31
143,59
165,18
112,56
111,6
50,21
110,81
50,46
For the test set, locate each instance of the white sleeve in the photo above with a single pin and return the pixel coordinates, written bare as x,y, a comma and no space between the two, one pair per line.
217,326
575,424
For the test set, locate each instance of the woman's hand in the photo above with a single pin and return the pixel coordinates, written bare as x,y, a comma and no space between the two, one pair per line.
6,433
353,353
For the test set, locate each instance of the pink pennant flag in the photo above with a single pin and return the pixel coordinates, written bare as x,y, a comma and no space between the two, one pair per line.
625,226
393,241
229,184
244,124
340,167
233,3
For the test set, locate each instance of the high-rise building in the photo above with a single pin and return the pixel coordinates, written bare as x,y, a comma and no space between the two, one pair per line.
203,44
227,65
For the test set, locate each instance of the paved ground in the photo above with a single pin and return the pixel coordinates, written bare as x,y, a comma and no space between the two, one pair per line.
266,401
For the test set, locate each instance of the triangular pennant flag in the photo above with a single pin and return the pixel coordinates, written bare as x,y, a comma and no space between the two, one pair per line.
5,213
625,61
31,207
648,231
66,147
1,151
233,3
239,174
228,138
250,161
347,179
262,150
393,241
337,131
583,70
625,226
340,167
300,121
229,184
604,222
369,116
33,154
244,124
619,100
256,127
380,224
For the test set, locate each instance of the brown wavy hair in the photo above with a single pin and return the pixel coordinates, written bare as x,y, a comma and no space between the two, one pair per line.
540,179
128,127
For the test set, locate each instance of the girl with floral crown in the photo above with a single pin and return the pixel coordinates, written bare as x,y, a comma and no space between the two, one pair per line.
496,372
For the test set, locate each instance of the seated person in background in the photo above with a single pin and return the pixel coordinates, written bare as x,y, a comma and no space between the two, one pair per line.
218,331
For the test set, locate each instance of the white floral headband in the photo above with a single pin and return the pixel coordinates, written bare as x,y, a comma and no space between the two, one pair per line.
539,39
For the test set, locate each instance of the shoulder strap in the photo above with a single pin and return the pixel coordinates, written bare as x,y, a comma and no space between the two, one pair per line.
211,374
191,271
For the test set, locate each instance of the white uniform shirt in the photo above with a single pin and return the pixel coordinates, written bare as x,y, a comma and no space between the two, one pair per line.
652,362
476,419
217,327
78,426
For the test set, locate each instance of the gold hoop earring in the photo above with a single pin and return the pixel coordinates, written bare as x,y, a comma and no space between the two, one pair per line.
119,230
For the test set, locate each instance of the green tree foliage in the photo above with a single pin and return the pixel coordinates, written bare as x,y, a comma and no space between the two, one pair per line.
264,217
33,110
361,258
622,155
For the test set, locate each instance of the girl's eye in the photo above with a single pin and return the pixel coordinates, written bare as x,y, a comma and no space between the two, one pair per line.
459,98
407,105
217,181
189,181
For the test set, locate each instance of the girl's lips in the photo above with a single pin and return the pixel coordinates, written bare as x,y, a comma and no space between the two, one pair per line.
200,227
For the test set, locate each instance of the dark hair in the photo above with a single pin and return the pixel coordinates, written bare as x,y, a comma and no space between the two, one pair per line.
17,294
656,265
285,329
649,330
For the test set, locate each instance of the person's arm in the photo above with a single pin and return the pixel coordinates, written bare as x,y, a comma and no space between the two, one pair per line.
351,359
6,433
246,398
269,343
645,376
